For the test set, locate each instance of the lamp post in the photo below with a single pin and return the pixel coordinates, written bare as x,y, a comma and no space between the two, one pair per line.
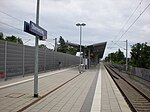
80,25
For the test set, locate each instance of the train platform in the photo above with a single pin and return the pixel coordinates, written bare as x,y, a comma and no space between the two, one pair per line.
63,91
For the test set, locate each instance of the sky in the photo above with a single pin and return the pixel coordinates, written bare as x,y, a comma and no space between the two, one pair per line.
106,21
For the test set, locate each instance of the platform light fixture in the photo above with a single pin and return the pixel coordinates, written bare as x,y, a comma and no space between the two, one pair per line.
80,26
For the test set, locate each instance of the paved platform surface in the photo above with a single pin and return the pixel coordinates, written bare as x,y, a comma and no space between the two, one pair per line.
63,91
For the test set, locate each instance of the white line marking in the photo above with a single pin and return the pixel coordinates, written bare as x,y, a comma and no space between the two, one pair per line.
96,105
27,80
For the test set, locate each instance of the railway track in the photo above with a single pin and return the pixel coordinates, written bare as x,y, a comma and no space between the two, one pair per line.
137,100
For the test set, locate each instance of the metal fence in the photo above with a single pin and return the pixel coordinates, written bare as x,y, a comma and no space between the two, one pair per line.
139,72
17,59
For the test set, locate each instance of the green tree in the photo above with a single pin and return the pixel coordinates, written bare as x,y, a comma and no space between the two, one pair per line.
14,39
19,40
62,47
140,55
120,57
112,57
117,57
1,36
71,50
43,46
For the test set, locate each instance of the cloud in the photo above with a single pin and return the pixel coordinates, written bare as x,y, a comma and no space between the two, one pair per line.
103,18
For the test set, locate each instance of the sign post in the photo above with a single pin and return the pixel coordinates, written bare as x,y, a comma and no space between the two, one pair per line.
40,34
36,53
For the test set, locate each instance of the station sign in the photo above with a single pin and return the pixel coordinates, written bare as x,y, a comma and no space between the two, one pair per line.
36,30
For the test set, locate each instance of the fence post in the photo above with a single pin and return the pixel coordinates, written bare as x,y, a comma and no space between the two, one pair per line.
45,60
54,58
89,58
5,60
23,52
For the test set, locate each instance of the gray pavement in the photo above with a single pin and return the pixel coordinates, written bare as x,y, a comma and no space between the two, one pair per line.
110,99
63,91
69,98
15,97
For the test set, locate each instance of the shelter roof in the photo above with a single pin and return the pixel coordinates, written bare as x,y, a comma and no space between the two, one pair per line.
97,48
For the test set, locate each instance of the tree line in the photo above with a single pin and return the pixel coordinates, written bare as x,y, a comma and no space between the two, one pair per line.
140,56
62,47
11,38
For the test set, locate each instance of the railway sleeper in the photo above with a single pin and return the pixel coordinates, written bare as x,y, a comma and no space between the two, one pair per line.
142,106
143,110
143,101
139,103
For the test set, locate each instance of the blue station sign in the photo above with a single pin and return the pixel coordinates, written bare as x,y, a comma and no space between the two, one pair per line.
36,30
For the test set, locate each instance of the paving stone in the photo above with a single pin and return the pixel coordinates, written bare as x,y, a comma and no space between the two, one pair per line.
69,98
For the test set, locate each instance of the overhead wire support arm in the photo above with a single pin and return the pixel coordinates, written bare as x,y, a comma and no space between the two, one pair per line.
119,45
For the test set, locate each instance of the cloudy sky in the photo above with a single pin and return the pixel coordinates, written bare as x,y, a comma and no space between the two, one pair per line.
104,20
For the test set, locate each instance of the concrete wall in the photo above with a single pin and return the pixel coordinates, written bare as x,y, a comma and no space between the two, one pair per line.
16,59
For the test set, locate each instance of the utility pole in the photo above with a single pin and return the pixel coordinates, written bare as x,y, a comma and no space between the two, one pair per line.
55,44
110,57
36,54
126,55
